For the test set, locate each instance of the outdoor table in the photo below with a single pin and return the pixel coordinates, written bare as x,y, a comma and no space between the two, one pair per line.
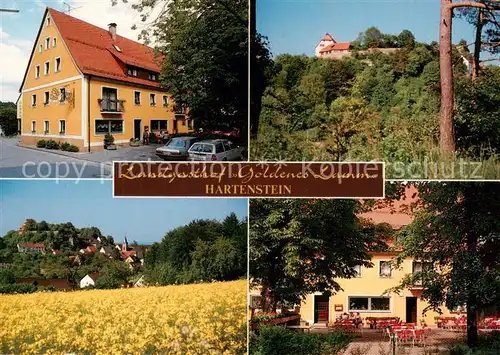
302,328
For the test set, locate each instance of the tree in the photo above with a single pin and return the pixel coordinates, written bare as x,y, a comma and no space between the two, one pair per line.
7,277
406,39
446,134
298,247
456,232
8,118
114,275
205,45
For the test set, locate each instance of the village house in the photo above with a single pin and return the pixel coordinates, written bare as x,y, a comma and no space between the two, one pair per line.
30,248
83,82
328,47
365,293
89,280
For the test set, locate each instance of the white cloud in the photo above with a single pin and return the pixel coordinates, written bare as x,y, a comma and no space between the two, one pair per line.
15,56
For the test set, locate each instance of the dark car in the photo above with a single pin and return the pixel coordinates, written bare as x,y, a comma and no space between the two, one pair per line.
176,148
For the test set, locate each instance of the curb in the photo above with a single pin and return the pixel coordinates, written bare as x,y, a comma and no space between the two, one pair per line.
57,152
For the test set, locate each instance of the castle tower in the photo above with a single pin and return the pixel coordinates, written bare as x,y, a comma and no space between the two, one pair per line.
325,41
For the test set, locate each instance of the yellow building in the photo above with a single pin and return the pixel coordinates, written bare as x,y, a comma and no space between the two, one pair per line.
366,292
83,82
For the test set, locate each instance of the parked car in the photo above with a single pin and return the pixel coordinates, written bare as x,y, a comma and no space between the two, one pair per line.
215,150
226,131
176,148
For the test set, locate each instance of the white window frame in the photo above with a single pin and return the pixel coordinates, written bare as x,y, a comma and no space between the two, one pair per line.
152,76
33,100
33,127
167,101
48,21
54,42
47,43
369,310
380,269
358,272
57,70
46,127
46,98
61,132
99,134
140,98
38,70
46,68
152,104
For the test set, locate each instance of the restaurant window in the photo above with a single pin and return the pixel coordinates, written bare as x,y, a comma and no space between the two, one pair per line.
369,304
46,127
159,125
33,127
108,126
385,269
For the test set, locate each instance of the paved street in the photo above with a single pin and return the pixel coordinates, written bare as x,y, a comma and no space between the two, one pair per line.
21,162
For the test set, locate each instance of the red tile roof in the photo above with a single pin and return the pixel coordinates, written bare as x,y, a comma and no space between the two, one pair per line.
94,52
30,245
336,47
127,254
327,37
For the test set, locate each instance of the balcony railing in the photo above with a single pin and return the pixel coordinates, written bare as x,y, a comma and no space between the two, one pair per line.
111,106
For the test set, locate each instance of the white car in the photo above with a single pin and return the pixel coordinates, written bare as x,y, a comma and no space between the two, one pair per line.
215,150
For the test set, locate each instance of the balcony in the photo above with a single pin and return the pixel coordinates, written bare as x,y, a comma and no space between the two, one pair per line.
111,106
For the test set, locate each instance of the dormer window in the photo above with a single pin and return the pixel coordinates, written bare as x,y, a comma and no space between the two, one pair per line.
152,76
132,71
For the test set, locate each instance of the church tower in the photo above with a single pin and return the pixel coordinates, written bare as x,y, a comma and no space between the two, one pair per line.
125,244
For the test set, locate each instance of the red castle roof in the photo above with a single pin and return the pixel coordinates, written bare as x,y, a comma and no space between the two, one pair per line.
31,245
337,47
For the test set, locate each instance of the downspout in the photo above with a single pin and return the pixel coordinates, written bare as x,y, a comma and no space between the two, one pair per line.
88,112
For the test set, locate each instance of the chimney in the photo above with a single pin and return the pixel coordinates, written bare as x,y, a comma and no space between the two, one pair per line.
112,30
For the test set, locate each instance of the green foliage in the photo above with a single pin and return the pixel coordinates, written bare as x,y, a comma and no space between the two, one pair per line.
298,247
7,277
205,45
8,118
6,289
487,345
73,148
65,146
52,144
41,144
281,341
108,139
114,275
202,250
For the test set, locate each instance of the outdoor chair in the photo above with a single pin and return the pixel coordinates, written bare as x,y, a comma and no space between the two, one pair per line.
420,337
404,336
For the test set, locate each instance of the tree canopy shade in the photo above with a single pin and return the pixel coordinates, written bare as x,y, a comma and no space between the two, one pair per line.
298,247
456,231
205,44
8,118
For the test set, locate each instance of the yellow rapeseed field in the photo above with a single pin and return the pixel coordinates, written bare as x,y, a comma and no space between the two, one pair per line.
188,319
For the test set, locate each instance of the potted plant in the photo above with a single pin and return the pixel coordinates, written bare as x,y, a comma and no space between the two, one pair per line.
134,142
109,142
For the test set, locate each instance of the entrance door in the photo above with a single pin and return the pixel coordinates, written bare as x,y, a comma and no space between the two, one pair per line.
321,309
411,309
137,128
176,122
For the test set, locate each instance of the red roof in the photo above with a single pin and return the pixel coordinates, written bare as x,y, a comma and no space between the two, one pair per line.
30,245
327,37
337,47
127,254
94,51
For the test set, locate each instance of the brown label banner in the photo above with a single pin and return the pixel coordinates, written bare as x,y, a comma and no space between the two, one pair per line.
249,179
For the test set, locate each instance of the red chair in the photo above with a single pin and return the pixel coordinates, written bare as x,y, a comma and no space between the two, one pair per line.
420,337
404,336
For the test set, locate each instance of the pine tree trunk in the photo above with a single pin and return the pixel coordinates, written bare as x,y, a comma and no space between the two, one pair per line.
446,138
477,44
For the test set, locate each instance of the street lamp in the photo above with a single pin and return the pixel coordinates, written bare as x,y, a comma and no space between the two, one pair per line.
9,10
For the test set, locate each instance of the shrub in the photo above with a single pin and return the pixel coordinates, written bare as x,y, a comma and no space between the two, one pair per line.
65,146
487,345
73,148
52,144
4,289
41,144
282,341
108,139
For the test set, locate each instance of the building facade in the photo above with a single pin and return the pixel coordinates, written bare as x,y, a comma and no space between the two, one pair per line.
328,47
83,82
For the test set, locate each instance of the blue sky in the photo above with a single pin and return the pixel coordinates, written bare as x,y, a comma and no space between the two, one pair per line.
296,26
90,203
